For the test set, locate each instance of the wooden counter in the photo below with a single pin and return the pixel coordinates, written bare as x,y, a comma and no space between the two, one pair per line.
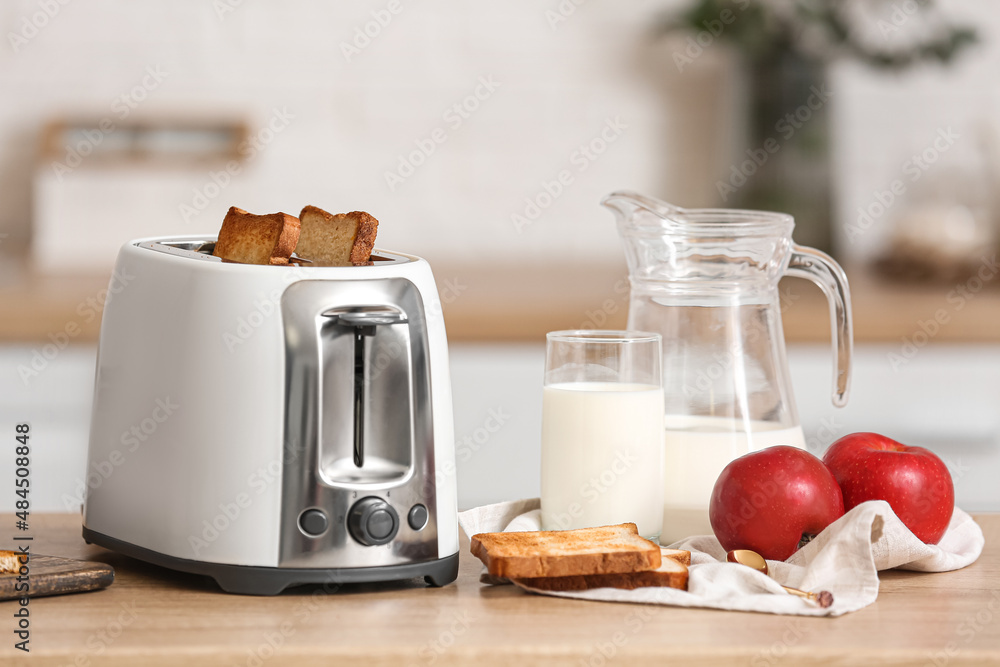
521,303
152,616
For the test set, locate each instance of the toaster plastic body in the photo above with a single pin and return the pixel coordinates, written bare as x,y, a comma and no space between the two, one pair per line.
271,426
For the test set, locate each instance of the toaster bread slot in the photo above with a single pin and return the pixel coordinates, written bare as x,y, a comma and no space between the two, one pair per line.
359,393
372,396
364,322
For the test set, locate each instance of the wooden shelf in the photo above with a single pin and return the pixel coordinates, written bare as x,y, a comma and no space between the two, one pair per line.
521,303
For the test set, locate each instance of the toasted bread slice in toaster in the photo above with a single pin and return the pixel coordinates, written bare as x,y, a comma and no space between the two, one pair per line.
336,240
257,239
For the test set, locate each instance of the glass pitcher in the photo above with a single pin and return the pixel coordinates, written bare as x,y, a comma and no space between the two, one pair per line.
707,281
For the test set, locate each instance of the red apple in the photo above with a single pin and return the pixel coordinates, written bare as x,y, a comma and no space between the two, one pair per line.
915,482
770,500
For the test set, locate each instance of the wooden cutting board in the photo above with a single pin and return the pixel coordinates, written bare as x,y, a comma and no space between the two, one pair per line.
51,575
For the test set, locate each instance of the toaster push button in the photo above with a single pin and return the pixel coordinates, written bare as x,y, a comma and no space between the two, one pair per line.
417,518
313,522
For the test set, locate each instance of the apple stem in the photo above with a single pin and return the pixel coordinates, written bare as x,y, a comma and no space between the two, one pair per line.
805,539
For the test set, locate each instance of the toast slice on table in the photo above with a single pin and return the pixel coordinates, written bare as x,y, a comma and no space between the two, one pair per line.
9,562
344,239
563,553
670,574
257,239
680,555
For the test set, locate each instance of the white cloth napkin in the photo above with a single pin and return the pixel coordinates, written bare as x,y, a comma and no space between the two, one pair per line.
844,559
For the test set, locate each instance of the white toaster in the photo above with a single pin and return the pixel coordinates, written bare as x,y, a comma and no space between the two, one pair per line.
271,426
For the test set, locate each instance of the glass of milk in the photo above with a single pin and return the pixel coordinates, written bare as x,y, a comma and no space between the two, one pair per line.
602,431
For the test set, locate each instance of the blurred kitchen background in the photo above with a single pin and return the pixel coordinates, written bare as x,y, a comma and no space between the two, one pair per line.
483,136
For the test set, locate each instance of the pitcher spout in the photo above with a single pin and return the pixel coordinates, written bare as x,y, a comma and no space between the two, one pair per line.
626,203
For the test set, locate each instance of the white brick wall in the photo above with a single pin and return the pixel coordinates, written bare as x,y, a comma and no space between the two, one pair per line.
352,119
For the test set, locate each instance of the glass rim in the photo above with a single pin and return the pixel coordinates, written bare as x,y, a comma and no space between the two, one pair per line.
602,336
716,222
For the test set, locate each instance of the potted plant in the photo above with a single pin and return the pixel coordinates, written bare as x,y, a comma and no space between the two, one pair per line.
784,48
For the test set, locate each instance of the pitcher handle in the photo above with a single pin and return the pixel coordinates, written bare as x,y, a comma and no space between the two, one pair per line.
820,268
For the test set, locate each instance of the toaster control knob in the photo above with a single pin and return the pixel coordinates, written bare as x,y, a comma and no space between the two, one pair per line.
372,521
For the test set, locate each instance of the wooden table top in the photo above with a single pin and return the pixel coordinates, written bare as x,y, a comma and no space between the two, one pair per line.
152,616
507,303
